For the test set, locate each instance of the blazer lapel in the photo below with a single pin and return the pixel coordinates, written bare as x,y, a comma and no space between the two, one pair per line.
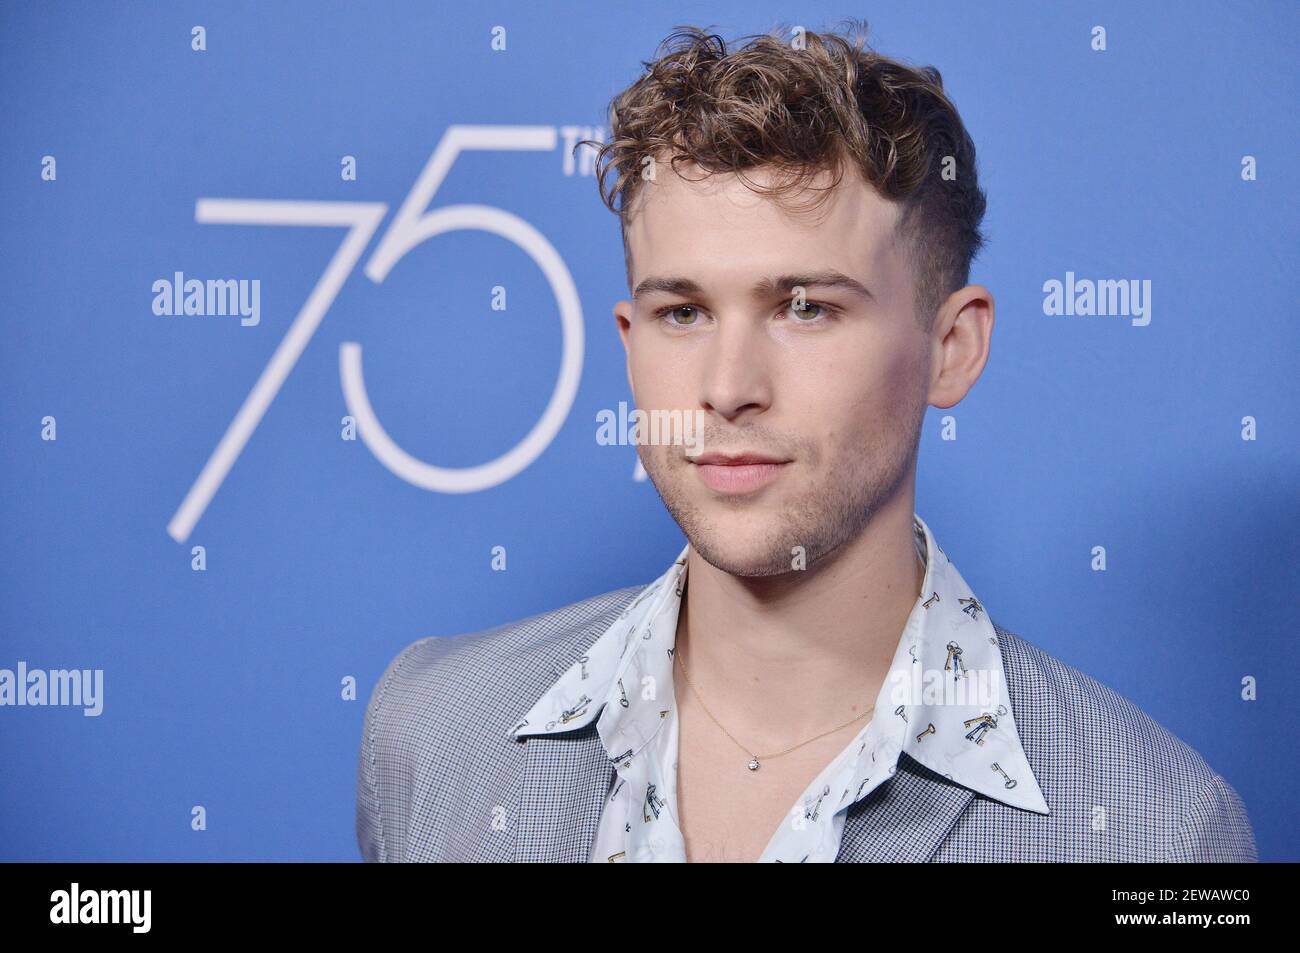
905,819
566,779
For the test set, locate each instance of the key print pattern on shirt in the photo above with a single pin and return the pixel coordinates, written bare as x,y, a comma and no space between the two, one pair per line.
943,701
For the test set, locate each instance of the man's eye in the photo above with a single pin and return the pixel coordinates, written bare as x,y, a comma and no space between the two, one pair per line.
672,312
808,312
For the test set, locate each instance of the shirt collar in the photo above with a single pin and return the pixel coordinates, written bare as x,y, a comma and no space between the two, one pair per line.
944,700
622,678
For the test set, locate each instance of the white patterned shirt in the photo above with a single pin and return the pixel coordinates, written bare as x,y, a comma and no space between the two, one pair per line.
943,702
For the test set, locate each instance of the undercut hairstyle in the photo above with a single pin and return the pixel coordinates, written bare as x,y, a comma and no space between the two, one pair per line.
814,103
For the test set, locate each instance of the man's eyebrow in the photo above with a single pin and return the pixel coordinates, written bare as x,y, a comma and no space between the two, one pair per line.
764,288
785,284
682,286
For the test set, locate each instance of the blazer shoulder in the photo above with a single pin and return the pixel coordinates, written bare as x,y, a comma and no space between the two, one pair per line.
1089,740
438,676
446,701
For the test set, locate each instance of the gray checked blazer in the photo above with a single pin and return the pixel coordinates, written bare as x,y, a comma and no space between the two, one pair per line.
441,779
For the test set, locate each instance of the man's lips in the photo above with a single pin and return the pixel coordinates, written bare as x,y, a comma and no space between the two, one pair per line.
713,458
738,473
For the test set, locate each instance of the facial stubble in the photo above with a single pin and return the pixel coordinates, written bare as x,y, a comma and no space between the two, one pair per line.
868,470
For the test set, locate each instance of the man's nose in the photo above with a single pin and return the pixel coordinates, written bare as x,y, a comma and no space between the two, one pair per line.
734,374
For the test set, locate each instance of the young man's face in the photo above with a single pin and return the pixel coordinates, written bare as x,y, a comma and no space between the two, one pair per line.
836,390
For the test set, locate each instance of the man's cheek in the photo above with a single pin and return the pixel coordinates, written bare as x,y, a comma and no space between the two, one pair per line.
655,459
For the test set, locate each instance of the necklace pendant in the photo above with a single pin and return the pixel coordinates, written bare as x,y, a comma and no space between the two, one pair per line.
753,763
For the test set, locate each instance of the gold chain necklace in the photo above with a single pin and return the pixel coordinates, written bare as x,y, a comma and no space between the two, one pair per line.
755,760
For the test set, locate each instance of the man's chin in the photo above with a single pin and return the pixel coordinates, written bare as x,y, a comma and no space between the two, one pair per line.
742,555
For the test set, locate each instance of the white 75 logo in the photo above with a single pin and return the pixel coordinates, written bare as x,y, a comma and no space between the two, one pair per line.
412,225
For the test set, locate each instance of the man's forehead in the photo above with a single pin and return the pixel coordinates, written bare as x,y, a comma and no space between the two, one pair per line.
818,192
689,221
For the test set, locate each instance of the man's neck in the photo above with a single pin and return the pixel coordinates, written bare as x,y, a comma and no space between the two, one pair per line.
787,656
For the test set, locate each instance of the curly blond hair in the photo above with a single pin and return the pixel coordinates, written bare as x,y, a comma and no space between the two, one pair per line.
800,108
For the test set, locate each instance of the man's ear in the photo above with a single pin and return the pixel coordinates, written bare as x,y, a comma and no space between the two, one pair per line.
623,318
961,344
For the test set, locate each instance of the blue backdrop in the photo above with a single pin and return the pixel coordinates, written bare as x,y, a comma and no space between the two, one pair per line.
129,156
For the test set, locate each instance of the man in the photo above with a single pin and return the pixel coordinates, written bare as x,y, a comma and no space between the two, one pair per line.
798,222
